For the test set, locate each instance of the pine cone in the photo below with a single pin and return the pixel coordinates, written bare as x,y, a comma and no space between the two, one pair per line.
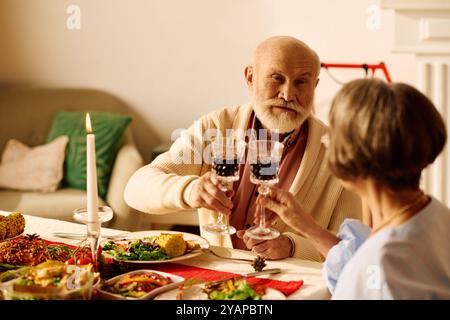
31,237
259,263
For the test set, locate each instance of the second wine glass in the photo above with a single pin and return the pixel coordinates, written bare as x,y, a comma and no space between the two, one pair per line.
227,154
265,157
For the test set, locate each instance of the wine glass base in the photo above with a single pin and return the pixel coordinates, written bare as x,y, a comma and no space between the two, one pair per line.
259,233
219,228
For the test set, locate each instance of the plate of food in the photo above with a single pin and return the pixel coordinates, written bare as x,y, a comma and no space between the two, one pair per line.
51,280
137,285
30,250
154,247
11,226
232,289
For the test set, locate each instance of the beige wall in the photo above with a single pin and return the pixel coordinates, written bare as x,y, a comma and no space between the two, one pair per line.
174,60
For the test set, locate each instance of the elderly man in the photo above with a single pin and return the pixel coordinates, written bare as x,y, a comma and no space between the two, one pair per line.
282,78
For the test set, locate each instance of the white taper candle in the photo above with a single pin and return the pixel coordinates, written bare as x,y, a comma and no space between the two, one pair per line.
92,196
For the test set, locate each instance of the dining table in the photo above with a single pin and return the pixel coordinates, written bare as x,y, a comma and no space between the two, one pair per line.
224,260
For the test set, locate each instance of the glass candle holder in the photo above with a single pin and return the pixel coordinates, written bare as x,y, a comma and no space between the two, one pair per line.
105,214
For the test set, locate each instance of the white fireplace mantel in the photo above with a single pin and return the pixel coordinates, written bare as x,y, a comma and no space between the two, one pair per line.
422,27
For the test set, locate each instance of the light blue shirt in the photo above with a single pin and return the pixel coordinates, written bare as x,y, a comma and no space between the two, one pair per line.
410,261
352,233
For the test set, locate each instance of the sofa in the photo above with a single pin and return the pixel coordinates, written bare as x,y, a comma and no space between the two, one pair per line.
26,114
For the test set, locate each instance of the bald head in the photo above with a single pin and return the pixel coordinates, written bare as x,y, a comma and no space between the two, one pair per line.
282,77
285,47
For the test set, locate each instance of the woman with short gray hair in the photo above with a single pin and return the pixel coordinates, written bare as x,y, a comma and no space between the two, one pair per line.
381,138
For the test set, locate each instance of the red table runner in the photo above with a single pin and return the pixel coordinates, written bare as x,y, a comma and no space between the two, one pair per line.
190,272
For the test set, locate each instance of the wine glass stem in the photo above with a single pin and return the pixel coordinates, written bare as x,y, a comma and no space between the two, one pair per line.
262,218
221,218
223,185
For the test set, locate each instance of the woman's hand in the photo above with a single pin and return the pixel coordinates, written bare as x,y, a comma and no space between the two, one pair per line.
287,207
291,212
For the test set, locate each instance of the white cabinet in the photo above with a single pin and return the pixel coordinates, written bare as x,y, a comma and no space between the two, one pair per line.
422,27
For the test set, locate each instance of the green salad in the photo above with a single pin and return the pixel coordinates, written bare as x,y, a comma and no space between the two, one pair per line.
234,290
142,250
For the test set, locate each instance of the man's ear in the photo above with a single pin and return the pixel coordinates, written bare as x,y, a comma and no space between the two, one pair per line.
317,82
248,72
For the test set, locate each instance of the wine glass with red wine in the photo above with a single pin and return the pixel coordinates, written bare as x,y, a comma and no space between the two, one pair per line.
227,155
264,157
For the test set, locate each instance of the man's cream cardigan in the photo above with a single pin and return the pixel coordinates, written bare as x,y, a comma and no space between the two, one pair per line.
163,185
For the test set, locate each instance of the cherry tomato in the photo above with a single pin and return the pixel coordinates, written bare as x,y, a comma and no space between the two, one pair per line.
70,261
83,261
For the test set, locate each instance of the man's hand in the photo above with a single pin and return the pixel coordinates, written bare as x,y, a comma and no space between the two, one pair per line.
275,249
206,194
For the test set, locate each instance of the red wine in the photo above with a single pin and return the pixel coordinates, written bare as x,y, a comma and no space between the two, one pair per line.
265,171
225,168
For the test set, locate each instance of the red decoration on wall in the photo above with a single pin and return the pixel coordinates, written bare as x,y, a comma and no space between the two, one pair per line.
372,67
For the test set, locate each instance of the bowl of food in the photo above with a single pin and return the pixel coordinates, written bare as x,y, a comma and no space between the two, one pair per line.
51,280
231,289
137,285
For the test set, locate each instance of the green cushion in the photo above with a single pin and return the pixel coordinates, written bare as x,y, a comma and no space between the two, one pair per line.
108,129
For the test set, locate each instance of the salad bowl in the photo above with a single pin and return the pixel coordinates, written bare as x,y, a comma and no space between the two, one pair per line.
137,285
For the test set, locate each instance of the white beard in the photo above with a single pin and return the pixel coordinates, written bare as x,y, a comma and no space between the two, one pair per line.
283,123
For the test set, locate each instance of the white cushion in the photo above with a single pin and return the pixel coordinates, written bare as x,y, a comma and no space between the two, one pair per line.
33,169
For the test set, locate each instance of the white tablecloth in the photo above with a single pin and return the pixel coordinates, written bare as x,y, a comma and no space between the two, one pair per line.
292,269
